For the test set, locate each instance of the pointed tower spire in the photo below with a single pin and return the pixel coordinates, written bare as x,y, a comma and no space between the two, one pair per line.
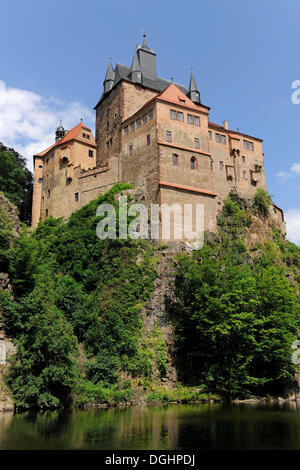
135,71
109,77
60,132
193,93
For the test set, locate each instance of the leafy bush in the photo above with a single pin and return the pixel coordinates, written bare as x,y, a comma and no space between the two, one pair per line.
262,202
235,316
16,181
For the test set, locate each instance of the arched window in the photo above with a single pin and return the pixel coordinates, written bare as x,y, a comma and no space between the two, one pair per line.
193,163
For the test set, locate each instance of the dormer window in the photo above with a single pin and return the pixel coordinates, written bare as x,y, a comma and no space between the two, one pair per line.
182,100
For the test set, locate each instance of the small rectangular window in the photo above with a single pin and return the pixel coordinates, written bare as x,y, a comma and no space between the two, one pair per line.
40,180
169,136
179,116
138,123
210,135
87,136
244,175
151,114
196,121
175,159
48,192
91,153
173,114
148,139
145,118
76,197
244,159
132,126
126,130
221,166
196,142
130,149
248,145
46,212
220,138
190,119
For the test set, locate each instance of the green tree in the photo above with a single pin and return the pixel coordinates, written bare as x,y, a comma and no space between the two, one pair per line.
16,181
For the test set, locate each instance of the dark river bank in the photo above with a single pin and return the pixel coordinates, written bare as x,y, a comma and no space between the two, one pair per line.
205,426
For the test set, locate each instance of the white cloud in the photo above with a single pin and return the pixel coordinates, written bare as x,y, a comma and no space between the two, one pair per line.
28,120
282,175
295,168
292,218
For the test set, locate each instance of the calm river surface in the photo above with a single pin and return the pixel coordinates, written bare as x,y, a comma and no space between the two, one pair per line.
218,426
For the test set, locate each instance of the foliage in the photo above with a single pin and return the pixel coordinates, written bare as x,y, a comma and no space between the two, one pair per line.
43,371
16,181
158,345
235,316
262,202
6,237
179,394
93,289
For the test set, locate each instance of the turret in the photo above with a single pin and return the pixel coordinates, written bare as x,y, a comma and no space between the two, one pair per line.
135,72
193,93
109,78
59,133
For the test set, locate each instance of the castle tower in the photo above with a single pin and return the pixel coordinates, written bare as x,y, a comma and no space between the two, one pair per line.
193,93
59,133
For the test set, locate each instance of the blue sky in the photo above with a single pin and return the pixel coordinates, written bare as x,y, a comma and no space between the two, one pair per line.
244,54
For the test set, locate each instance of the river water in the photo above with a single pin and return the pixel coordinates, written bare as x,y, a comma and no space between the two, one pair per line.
217,427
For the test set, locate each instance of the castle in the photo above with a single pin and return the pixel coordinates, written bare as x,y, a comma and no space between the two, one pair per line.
155,134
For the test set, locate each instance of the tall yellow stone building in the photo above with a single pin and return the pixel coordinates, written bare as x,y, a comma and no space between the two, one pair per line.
155,134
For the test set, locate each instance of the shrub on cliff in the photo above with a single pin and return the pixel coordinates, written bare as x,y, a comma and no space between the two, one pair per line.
16,181
92,288
236,316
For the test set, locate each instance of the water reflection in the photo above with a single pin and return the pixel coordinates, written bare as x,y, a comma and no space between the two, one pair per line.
236,426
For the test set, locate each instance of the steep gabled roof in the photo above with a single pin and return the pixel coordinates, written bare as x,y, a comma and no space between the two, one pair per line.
173,94
70,135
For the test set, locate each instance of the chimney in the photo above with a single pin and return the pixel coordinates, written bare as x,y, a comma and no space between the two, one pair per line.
225,125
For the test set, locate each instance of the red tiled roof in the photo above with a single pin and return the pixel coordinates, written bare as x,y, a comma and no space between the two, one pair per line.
172,94
70,135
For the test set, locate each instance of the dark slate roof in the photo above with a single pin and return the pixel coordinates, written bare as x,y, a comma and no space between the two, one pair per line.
193,84
135,67
122,72
110,74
